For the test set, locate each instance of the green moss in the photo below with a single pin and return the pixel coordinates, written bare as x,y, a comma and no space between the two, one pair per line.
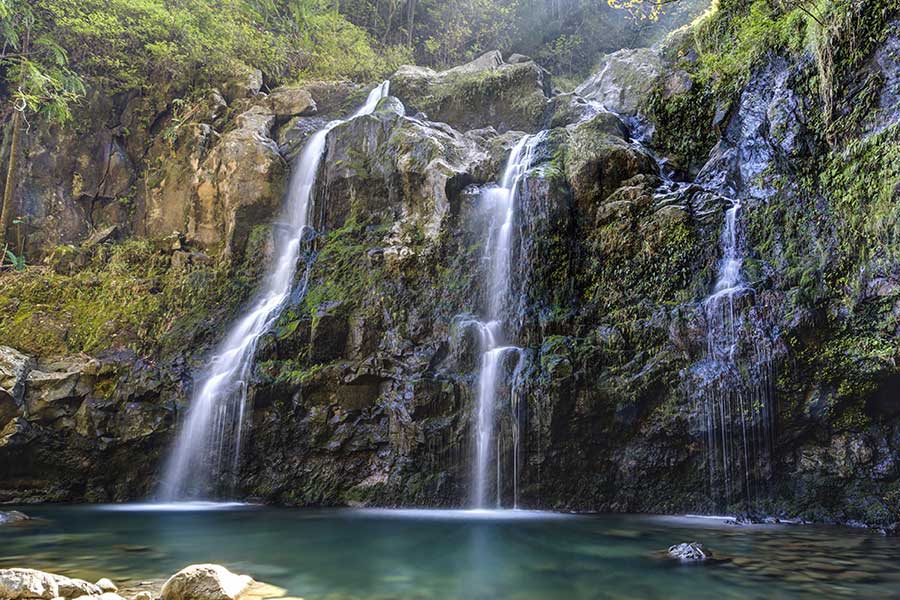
289,372
342,270
128,296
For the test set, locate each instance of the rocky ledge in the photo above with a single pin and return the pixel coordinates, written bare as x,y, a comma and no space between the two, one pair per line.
194,582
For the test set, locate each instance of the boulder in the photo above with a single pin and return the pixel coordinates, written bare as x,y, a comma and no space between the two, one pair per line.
12,516
107,585
23,584
205,582
336,99
485,92
14,368
239,184
286,102
57,389
598,160
624,80
244,83
412,169
74,588
170,181
688,552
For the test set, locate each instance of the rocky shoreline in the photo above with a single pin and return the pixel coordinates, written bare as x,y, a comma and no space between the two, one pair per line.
194,582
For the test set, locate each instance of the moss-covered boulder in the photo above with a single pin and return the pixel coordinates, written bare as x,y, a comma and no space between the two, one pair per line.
485,92
598,159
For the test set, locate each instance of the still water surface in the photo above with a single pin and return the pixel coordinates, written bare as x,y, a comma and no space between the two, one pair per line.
450,555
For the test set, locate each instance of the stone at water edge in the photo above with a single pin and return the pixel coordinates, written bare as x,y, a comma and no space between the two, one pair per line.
205,582
103,596
16,584
106,585
691,552
74,588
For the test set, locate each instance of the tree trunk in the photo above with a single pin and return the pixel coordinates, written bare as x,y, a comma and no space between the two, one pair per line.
411,21
6,215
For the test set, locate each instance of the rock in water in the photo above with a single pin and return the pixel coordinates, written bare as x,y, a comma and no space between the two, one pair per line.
12,516
688,552
205,582
27,583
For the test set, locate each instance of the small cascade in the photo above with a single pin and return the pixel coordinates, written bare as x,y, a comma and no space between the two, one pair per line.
501,201
736,379
205,458
733,385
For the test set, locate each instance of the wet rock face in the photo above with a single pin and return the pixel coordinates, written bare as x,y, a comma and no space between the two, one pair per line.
766,132
364,391
887,58
394,166
484,92
75,420
624,80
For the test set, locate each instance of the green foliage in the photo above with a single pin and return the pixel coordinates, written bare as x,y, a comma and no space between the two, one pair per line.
566,36
729,41
123,45
683,131
33,65
861,183
18,262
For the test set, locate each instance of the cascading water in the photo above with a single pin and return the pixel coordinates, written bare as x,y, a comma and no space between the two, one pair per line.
736,378
733,384
207,450
501,201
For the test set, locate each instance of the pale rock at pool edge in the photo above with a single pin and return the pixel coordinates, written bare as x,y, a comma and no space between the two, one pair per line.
205,582
27,583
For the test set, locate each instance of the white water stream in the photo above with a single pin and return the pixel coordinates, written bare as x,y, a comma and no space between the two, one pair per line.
501,202
207,449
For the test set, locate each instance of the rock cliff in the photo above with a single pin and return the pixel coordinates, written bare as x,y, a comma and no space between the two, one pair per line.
364,390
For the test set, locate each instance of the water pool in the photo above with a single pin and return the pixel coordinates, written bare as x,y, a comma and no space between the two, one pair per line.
344,554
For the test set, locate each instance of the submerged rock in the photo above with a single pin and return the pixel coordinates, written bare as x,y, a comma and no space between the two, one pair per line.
688,552
205,582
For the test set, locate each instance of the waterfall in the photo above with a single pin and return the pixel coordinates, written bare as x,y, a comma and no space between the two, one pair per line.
207,449
733,385
501,201
736,378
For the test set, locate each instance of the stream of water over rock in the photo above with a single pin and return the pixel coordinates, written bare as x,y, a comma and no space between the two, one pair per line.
207,449
501,201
